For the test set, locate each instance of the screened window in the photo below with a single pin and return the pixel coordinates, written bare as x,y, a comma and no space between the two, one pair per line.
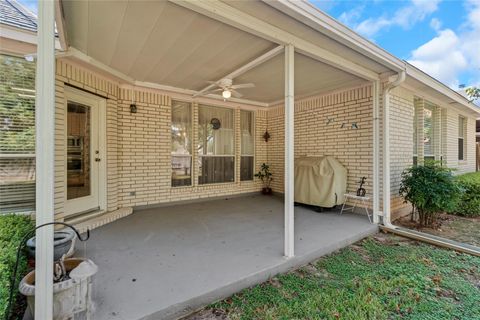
428,134
181,144
17,134
216,146
461,138
247,126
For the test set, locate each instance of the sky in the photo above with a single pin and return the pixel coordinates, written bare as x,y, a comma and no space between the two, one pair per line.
440,37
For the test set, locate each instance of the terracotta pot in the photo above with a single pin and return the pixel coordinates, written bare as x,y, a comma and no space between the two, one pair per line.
267,191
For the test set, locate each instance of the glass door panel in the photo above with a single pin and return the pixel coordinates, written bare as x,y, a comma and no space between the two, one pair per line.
78,150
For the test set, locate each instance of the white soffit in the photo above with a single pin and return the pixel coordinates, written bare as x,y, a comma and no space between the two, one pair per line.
311,77
161,43
281,20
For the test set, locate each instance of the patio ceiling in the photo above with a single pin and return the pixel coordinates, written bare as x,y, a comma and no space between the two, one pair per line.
162,43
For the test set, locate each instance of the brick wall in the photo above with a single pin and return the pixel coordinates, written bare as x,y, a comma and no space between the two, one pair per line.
138,145
450,122
401,143
144,153
314,136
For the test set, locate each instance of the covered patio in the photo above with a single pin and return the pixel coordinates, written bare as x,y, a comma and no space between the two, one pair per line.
134,59
164,262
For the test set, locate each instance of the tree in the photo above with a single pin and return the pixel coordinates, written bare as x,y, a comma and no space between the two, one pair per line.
473,93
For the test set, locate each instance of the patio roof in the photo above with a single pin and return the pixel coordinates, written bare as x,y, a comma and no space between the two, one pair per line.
164,45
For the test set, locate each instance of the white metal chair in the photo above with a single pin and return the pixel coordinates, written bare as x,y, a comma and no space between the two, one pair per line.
358,201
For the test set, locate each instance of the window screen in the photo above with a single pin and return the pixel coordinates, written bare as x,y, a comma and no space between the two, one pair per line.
247,126
428,134
216,146
461,138
181,144
17,134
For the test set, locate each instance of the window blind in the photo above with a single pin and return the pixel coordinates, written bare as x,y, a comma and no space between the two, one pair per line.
17,134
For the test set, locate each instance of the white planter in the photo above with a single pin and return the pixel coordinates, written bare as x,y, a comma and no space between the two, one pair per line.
71,297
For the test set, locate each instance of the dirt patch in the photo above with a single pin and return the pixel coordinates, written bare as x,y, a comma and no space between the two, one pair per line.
452,227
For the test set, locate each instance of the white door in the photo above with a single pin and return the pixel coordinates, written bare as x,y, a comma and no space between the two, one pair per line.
84,155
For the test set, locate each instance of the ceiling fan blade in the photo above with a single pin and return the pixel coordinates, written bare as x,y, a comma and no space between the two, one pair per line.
243,86
213,91
236,94
212,82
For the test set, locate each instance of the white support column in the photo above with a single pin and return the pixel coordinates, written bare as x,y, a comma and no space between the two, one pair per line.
45,151
386,156
376,150
289,150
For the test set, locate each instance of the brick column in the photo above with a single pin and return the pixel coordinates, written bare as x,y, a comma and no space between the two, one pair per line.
238,144
195,166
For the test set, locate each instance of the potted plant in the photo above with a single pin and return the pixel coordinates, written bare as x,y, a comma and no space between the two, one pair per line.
266,176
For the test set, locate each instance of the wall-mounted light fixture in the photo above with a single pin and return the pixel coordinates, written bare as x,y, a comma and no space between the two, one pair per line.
133,108
266,136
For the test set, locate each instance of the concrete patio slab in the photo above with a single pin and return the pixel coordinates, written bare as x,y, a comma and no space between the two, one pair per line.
163,263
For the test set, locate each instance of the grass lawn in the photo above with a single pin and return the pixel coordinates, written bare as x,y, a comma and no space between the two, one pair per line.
381,277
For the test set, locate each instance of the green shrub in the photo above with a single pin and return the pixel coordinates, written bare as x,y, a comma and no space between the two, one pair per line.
12,229
431,189
469,204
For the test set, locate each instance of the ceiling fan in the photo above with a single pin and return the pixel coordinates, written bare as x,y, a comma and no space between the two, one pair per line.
227,88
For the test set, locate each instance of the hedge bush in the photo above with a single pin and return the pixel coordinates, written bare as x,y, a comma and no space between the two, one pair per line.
12,229
469,205
432,189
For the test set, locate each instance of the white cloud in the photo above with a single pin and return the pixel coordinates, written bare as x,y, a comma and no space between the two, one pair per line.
405,17
450,53
435,24
350,17
441,57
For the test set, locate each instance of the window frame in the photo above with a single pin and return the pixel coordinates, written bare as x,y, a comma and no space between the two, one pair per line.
192,128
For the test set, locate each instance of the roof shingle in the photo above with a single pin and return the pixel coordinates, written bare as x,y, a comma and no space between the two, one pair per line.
14,14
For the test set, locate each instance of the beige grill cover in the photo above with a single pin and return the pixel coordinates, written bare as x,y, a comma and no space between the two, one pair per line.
320,181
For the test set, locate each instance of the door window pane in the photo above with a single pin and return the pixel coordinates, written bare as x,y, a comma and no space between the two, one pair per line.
181,144
216,145
78,150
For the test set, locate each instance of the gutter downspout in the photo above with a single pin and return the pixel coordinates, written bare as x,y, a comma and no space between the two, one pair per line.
386,217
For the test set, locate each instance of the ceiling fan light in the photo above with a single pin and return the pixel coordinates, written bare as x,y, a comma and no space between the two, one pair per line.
226,94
